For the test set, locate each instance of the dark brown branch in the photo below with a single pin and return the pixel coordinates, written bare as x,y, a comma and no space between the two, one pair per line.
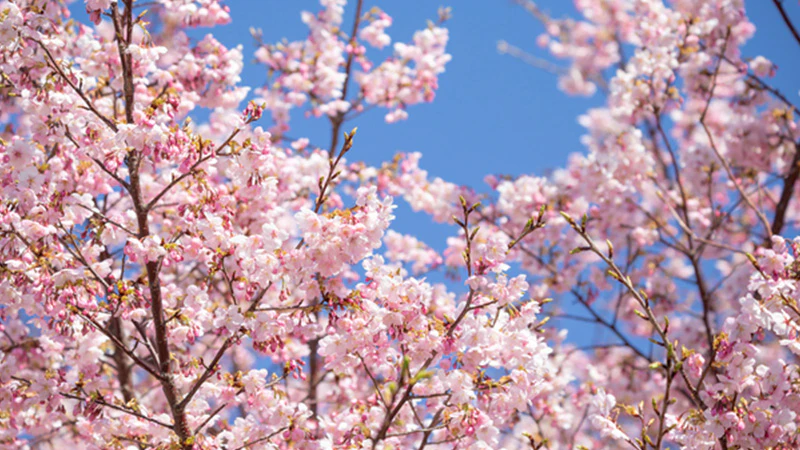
722,160
211,368
102,402
77,90
350,55
787,193
125,57
336,124
181,426
99,163
217,152
265,438
121,361
787,20
118,344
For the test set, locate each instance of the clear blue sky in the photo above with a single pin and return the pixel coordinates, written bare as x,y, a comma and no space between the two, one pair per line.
492,113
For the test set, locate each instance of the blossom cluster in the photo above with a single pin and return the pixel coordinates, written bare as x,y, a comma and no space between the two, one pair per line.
173,284
317,70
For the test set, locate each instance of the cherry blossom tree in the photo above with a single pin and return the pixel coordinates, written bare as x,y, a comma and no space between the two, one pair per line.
215,284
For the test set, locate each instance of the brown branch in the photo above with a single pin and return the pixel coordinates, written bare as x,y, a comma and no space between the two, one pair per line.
787,20
121,361
117,343
725,165
432,426
665,402
99,163
191,171
219,408
211,368
102,402
77,90
104,218
350,55
648,314
374,382
596,317
407,394
181,426
676,168
787,193
336,124
125,57
265,438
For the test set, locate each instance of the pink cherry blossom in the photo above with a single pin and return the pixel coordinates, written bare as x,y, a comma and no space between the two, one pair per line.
174,284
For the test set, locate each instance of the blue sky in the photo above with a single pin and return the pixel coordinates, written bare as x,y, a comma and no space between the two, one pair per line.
493,114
